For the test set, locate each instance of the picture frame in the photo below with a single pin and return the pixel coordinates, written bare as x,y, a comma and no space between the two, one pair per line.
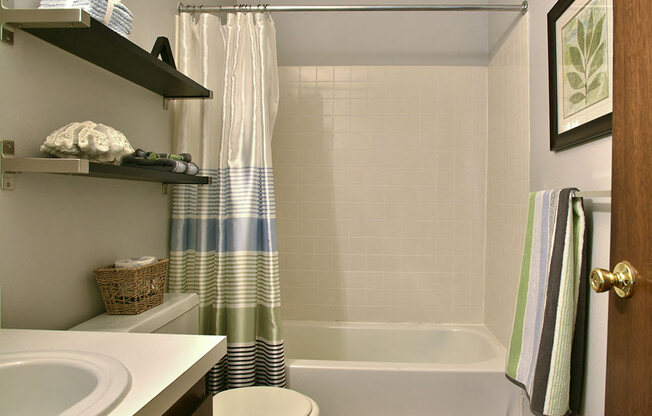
580,71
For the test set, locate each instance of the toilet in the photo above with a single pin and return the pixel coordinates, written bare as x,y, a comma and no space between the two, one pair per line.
179,314
267,401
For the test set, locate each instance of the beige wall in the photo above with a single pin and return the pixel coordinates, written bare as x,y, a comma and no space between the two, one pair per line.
380,175
56,229
508,178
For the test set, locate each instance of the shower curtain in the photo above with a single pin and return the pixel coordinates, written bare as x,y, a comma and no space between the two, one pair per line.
223,236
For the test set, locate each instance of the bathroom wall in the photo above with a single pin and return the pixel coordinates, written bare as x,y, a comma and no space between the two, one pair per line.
508,178
385,38
57,229
587,167
380,185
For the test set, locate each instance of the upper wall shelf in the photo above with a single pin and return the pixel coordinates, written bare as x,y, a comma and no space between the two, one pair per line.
73,30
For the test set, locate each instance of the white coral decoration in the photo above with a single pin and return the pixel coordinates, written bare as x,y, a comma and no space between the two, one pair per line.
88,140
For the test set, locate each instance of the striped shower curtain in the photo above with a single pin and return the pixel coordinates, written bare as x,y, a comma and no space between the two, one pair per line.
223,236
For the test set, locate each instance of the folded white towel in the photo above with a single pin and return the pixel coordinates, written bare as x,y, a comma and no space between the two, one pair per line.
112,13
133,262
118,19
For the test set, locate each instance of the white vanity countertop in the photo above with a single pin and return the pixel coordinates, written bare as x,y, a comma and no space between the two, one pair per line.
162,366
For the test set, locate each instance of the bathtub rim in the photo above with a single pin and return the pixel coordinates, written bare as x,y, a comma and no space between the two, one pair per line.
494,364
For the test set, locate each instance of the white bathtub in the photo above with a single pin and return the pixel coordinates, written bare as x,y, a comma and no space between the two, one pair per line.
353,369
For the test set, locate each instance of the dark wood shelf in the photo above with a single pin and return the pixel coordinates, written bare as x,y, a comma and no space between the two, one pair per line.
10,165
131,173
107,49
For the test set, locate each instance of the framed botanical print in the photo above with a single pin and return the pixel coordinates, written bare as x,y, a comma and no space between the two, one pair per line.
580,71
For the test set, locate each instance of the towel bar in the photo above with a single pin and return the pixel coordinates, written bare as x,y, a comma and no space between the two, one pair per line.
593,194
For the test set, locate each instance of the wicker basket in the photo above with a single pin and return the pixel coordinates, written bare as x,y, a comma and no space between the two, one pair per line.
131,291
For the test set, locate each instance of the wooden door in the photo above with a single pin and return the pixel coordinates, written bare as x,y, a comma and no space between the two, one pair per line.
629,346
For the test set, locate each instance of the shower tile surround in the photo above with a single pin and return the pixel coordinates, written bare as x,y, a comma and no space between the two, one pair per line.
508,178
380,189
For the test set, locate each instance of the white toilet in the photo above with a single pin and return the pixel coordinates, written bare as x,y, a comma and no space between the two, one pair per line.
263,401
179,314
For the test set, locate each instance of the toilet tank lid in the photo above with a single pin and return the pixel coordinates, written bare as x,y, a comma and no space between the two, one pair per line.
173,306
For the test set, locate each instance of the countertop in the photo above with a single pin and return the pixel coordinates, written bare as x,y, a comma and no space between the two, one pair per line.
162,366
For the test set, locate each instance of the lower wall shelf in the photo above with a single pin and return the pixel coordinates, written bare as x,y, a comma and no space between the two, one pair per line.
130,173
10,165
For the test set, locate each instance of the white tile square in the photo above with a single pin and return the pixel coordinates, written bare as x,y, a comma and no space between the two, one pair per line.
325,73
308,74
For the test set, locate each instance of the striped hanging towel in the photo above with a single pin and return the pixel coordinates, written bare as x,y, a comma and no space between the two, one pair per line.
546,352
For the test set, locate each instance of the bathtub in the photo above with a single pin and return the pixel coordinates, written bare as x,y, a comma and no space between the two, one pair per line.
365,369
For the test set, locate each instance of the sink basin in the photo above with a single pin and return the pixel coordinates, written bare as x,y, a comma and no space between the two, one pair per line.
61,382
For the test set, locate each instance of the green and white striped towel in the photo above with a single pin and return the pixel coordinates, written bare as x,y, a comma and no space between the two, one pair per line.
546,352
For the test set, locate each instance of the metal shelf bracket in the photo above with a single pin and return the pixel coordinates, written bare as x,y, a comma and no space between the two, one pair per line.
7,178
168,100
10,165
6,34
38,18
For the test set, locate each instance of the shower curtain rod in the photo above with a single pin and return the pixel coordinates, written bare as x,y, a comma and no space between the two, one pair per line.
357,8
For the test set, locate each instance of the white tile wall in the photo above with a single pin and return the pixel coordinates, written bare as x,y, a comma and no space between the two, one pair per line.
380,186
508,178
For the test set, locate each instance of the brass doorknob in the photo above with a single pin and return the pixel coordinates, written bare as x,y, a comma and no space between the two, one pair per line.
623,279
